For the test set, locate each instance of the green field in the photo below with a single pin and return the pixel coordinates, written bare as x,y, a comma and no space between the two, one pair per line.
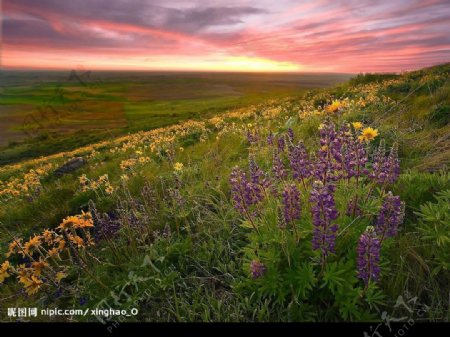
66,110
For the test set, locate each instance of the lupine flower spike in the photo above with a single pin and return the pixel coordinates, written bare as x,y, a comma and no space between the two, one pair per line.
369,256
390,216
323,212
291,204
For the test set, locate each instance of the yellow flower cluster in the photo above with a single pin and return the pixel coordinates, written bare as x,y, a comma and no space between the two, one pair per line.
26,186
102,183
49,253
217,122
272,112
242,113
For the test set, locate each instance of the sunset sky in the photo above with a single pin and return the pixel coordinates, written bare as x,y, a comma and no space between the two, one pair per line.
226,35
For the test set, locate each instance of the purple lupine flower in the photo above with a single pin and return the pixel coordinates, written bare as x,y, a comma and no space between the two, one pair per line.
368,261
270,139
299,162
257,269
106,224
259,180
323,213
278,167
390,216
291,135
392,166
252,138
326,168
291,203
385,170
377,173
281,143
241,190
352,155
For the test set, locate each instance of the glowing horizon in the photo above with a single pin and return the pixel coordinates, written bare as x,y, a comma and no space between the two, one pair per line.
248,35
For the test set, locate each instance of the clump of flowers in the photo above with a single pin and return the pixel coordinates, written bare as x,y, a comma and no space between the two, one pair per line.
27,186
44,259
339,174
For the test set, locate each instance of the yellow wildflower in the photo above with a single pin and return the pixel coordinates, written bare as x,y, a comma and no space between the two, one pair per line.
83,179
53,252
32,285
357,125
178,166
368,134
68,222
32,244
14,247
77,240
4,271
38,266
48,235
23,274
61,245
109,189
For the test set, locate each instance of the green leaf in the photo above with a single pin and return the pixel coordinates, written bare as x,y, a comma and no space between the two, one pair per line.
333,277
302,279
373,296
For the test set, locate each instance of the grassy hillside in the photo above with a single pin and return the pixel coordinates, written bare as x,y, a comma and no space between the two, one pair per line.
324,207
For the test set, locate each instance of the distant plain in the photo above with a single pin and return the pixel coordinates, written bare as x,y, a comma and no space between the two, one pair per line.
43,112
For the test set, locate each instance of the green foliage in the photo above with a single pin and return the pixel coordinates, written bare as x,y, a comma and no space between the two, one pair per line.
434,225
441,115
416,188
